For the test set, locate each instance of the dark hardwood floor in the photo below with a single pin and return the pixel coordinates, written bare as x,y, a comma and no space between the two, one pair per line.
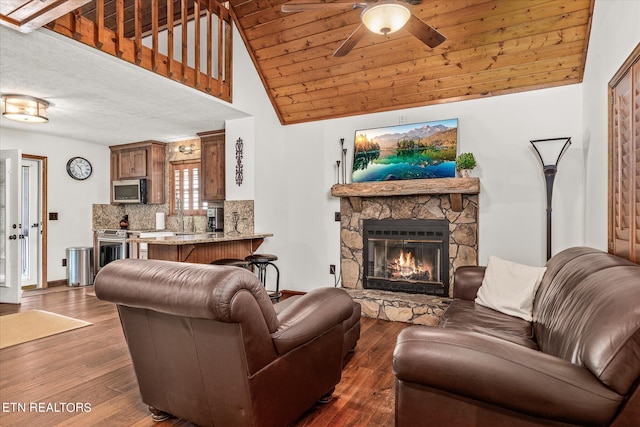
91,366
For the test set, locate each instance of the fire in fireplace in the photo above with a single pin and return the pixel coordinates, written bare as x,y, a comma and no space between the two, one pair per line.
406,255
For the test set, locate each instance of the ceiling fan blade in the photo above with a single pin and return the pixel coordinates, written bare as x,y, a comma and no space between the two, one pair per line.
351,41
301,7
424,32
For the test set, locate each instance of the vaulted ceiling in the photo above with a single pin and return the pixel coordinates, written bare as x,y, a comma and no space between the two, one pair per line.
493,47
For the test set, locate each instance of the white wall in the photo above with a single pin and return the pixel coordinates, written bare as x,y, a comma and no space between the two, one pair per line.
71,199
615,33
295,168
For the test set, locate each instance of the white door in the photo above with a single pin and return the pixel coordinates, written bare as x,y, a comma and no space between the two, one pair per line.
10,283
30,244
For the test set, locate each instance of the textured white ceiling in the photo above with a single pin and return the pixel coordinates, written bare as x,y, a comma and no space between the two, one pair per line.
97,98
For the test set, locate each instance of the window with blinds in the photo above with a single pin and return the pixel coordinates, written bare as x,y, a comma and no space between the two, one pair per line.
185,187
624,157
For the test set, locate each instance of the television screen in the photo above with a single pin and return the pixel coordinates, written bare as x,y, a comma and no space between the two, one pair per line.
412,151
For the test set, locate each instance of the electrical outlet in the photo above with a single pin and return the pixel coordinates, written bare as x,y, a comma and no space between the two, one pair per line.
64,262
332,269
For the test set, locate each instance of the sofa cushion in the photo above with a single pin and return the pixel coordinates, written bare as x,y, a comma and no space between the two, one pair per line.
509,287
468,316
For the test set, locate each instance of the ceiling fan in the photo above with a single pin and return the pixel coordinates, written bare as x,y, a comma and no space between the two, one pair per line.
379,16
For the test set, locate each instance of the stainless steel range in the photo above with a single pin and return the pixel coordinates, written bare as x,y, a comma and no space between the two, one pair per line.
111,245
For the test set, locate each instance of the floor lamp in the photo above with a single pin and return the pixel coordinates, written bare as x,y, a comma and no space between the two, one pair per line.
550,151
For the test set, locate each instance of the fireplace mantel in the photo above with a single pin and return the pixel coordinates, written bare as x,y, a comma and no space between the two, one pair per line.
455,187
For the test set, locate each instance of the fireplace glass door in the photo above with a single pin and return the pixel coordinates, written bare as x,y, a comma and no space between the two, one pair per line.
406,256
406,260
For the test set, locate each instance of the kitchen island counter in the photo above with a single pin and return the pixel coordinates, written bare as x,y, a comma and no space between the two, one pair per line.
200,248
196,238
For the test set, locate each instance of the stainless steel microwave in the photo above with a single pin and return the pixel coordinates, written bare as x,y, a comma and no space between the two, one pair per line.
129,191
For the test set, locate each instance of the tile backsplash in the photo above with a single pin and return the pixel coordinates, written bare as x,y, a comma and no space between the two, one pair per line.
238,217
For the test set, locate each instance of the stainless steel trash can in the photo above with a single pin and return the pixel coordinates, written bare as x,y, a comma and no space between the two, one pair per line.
80,266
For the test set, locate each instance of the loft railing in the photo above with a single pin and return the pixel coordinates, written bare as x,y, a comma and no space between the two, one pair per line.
151,34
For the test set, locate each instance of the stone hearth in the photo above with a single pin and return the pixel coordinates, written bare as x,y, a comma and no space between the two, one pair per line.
455,200
400,307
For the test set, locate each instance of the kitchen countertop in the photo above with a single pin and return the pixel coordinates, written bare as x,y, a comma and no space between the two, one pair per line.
194,238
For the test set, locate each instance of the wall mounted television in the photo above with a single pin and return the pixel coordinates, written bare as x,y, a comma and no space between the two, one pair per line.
409,151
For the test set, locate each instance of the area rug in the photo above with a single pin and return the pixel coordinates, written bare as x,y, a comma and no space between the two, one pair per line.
31,325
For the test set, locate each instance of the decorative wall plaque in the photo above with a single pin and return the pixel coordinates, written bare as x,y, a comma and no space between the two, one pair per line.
239,173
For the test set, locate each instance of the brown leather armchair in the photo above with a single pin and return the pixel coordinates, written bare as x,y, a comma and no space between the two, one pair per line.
207,345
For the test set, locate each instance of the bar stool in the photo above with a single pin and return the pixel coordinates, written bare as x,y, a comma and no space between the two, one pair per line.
262,261
233,262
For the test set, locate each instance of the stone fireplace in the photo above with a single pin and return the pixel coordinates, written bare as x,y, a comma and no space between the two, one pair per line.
454,200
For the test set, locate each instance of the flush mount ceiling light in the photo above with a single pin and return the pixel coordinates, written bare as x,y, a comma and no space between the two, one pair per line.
385,18
23,108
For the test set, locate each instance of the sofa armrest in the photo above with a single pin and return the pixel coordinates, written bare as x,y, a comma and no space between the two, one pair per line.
310,316
502,373
466,281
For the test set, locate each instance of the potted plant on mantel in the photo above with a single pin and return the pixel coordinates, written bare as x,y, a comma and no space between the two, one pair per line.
464,163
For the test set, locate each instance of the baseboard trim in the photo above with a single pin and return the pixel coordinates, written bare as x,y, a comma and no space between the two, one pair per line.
54,283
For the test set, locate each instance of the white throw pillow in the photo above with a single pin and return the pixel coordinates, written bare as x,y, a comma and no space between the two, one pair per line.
509,287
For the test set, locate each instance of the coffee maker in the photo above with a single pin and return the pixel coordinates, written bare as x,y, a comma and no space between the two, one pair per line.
215,219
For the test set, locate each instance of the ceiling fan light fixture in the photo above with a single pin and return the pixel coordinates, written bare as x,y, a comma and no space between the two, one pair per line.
23,108
385,18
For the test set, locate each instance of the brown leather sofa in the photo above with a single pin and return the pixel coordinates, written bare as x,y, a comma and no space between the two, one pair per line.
577,363
207,345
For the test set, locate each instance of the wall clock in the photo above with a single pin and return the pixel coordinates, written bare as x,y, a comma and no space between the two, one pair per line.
79,168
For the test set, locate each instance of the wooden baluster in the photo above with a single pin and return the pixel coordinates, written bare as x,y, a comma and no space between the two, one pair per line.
77,16
137,44
220,48
154,35
196,42
183,19
170,13
100,23
119,27
228,62
209,45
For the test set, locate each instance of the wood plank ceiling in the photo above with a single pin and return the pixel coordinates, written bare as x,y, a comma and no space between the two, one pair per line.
493,47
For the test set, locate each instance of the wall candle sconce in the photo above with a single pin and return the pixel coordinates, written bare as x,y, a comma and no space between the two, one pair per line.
187,149
239,154
343,154
550,151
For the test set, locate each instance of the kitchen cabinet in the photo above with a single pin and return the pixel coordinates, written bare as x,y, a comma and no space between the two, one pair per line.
213,165
144,159
132,163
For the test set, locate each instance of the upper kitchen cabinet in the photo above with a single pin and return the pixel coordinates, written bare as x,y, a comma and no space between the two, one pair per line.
132,163
213,165
141,160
